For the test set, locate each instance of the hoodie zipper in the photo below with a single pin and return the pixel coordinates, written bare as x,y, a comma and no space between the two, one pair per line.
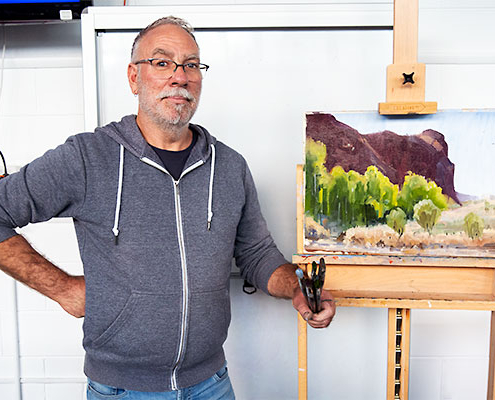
183,260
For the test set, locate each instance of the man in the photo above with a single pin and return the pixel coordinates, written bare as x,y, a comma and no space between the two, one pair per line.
160,208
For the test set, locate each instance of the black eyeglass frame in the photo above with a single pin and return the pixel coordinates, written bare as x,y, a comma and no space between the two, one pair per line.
201,66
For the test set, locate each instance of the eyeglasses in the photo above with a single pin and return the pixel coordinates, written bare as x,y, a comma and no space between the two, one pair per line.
166,68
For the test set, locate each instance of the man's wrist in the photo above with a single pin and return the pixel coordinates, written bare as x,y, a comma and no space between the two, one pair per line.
64,288
297,290
283,281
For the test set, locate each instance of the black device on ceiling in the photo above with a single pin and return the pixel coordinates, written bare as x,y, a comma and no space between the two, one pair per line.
41,10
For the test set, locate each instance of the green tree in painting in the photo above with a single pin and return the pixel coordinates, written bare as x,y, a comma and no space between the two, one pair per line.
336,197
359,211
382,195
426,214
415,189
397,220
316,153
474,225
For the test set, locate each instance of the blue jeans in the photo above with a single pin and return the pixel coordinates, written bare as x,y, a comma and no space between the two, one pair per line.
218,387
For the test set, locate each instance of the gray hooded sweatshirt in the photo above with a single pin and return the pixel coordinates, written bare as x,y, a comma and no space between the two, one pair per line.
157,253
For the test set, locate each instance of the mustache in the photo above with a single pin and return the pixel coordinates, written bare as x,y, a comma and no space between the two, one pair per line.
182,92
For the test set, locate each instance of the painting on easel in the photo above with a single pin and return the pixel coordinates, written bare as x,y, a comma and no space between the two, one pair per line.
401,185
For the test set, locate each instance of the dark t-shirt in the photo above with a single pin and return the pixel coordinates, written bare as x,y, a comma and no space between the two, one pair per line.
174,161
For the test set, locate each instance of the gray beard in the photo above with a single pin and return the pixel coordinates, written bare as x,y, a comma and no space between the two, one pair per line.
172,125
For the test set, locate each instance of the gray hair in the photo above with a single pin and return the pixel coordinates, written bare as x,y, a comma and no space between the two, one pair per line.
170,20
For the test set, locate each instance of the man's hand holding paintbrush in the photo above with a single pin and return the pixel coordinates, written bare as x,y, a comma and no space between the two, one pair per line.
284,283
316,305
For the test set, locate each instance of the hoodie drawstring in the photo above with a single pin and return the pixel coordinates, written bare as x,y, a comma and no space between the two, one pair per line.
210,192
115,228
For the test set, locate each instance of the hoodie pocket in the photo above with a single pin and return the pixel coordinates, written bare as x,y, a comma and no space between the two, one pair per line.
209,320
145,331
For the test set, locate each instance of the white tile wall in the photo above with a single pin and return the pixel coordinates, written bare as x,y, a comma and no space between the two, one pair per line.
18,93
33,391
353,350
7,342
65,391
6,367
443,333
52,333
8,339
33,367
6,303
41,132
464,378
56,239
425,378
66,99
7,390
39,108
30,300
449,354
64,367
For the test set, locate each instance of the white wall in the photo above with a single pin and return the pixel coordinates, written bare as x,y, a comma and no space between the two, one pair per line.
41,104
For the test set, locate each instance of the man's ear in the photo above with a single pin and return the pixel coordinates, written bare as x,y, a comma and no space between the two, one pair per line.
132,76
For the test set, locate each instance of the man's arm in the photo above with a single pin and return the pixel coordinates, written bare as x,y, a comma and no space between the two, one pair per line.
54,185
283,283
258,257
19,260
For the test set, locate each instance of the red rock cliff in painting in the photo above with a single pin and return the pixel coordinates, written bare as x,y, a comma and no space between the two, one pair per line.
394,155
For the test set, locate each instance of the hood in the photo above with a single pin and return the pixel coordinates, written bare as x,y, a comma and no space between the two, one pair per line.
127,133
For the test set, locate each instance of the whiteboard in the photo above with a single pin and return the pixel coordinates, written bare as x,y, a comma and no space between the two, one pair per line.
256,92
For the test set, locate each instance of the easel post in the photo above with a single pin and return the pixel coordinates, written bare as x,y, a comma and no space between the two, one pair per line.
490,392
302,326
399,328
406,77
406,16
491,361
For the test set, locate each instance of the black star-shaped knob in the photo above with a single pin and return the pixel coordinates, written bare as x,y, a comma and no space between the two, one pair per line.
408,78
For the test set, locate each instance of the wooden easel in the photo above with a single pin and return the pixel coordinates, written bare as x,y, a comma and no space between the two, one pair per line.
400,283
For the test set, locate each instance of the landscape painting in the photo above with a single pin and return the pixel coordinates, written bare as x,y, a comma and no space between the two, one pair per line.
400,185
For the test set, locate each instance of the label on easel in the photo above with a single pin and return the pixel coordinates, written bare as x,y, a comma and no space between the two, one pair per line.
401,108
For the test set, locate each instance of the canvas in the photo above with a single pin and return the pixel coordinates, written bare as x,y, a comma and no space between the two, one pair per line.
400,185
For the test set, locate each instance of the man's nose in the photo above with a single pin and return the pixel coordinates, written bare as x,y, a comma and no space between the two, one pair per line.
179,76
